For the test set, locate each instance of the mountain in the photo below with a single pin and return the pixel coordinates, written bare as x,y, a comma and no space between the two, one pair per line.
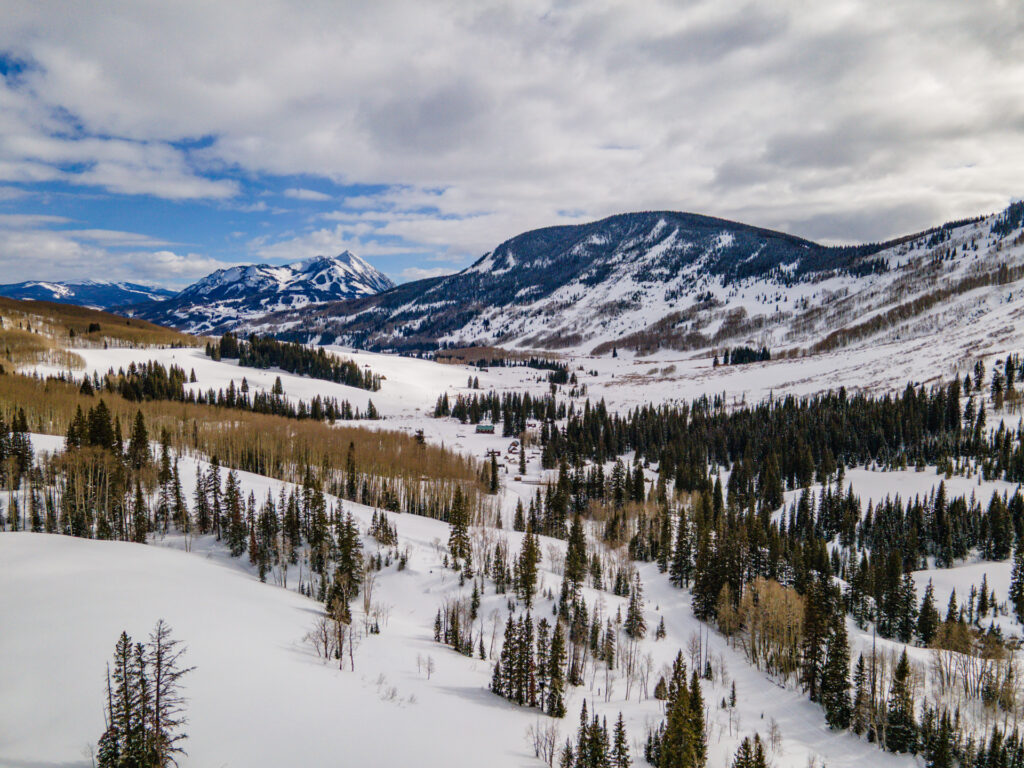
665,280
98,294
231,297
577,285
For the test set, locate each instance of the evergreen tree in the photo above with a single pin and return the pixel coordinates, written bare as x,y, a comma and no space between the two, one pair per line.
635,624
620,749
164,662
138,446
835,677
575,559
860,714
901,726
236,532
1017,581
458,539
927,617
556,673
526,567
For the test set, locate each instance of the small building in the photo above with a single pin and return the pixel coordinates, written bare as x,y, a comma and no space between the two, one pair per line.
485,429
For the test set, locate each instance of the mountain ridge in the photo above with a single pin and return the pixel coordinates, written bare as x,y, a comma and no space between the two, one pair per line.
96,294
229,297
662,279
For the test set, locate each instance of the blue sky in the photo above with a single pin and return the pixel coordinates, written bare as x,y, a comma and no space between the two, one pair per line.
156,142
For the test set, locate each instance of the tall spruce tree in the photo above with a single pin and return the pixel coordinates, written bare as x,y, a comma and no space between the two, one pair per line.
927,616
835,677
901,725
139,454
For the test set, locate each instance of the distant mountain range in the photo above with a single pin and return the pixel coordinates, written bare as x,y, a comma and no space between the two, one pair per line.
238,296
639,281
573,286
97,294
681,281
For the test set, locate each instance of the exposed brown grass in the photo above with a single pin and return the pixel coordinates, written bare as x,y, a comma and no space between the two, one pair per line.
274,445
42,331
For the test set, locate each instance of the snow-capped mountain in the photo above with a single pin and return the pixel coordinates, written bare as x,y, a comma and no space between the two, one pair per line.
98,294
664,280
230,298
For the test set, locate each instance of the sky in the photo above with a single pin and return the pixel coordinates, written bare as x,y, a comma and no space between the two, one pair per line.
156,141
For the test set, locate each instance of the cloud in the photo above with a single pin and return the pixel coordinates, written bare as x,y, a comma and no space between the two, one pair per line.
416,273
12,193
841,120
23,220
306,194
31,253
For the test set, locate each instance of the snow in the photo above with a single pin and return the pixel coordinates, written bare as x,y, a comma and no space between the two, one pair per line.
253,668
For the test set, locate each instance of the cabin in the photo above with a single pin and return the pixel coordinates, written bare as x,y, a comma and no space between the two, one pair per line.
485,429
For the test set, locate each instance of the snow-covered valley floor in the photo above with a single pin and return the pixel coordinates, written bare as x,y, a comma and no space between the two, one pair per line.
260,696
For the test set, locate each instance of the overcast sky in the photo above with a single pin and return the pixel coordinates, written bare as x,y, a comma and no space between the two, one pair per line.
157,141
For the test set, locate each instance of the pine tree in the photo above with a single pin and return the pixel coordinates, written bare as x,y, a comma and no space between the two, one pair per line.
677,747
493,485
164,661
575,560
700,747
1017,581
927,617
835,677
518,521
620,749
138,446
635,624
744,755
145,711
526,567
235,535
860,714
952,612
556,673
681,567
814,638
901,727
939,750
458,539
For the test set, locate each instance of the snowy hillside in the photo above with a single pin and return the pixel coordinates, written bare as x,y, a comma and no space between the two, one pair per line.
229,297
406,683
97,294
666,281
253,665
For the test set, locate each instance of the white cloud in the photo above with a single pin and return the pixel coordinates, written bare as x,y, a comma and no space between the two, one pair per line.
31,253
306,194
417,273
839,120
12,193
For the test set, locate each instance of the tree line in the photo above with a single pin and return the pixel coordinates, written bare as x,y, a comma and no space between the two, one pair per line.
316,362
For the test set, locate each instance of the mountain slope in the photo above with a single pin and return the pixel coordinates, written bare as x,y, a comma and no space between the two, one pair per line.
664,280
228,297
530,288
98,294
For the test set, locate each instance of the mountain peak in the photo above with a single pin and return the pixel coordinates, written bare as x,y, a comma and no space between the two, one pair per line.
230,298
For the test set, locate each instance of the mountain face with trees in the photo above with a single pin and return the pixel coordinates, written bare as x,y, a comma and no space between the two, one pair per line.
228,298
563,262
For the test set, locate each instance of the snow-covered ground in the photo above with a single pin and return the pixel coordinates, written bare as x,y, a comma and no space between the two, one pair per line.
260,697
